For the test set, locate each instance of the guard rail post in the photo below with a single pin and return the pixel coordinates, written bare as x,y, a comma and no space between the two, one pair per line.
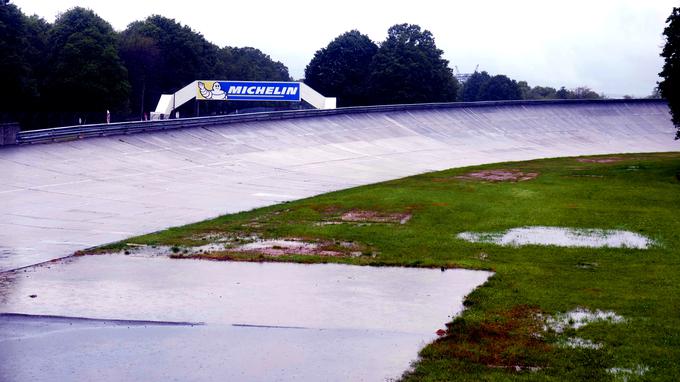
8,133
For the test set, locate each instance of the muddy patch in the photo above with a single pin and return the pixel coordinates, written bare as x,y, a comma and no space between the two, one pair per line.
599,160
560,236
367,217
508,339
225,237
244,248
140,250
376,217
288,247
520,339
499,175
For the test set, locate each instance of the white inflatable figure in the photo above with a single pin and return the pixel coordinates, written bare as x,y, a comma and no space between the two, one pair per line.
215,93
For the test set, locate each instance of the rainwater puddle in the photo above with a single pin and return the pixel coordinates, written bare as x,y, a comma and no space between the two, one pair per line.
262,321
579,318
560,236
581,343
624,374
288,244
282,294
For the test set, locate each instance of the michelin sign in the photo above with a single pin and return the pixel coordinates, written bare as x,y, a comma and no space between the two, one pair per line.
248,91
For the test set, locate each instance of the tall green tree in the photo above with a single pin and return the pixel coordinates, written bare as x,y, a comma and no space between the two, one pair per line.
85,74
163,56
473,86
141,56
581,92
584,92
500,87
563,93
250,64
670,85
409,68
22,41
542,92
524,89
341,69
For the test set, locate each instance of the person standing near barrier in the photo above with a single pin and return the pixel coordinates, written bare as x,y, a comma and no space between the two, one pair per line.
108,116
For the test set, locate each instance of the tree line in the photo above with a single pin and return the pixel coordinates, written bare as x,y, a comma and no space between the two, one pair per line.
73,70
408,67
669,87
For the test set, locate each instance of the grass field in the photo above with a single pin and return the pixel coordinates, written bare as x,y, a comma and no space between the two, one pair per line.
501,334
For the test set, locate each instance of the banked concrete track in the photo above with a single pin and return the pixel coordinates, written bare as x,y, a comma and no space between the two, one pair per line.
60,197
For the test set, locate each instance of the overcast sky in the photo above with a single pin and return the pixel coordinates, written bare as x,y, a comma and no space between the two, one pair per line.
611,46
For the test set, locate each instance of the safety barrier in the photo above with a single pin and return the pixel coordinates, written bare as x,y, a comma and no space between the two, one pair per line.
99,130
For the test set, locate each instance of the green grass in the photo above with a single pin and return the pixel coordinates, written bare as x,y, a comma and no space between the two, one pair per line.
641,193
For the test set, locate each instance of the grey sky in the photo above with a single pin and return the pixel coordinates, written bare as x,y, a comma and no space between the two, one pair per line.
611,46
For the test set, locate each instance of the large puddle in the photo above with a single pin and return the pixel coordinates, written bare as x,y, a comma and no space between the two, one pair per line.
559,236
262,321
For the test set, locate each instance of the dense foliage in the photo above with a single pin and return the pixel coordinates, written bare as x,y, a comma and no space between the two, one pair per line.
484,87
74,70
85,71
163,56
670,86
499,87
21,62
409,68
473,86
342,68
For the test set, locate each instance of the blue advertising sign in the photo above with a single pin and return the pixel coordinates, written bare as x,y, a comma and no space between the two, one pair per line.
248,91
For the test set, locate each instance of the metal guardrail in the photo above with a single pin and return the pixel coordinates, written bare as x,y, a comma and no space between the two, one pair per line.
121,128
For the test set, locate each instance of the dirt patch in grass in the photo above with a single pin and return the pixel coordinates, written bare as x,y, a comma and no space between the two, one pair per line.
599,160
238,247
285,247
376,217
499,175
509,339
224,237
262,249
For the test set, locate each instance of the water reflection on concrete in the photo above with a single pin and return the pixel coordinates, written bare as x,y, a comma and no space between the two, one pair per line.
262,321
560,236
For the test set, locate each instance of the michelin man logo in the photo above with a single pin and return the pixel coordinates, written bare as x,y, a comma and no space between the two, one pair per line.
215,91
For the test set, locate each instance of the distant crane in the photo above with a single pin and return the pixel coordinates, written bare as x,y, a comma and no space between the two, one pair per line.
462,77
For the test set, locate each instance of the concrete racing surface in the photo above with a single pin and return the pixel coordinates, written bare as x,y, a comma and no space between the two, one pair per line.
60,197
116,318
